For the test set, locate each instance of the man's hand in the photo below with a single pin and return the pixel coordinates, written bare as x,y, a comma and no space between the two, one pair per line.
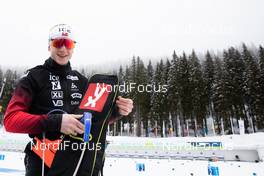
125,105
71,125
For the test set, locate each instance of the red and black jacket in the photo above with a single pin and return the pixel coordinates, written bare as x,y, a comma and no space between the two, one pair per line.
44,88
51,86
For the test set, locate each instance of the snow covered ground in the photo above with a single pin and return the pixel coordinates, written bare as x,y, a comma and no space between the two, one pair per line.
156,167
13,166
159,156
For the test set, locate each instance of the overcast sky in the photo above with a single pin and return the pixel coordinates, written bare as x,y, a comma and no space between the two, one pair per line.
118,29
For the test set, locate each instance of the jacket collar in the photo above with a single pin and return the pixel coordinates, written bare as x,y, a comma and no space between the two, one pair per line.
56,68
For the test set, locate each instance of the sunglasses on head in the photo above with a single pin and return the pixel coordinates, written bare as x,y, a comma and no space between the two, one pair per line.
58,43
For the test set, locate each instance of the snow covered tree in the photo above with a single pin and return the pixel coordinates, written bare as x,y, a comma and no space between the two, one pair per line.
184,89
209,76
197,89
121,78
141,96
252,77
132,78
220,93
173,92
261,86
148,93
164,93
126,92
157,94
11,78
234,67
1,77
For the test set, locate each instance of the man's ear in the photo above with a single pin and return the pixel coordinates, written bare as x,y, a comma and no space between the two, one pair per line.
49,48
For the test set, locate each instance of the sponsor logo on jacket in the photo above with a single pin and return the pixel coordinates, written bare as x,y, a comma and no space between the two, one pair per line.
73,78
57,103
56,85
56,94
76,95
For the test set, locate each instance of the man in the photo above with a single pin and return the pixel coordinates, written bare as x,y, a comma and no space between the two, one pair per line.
48,87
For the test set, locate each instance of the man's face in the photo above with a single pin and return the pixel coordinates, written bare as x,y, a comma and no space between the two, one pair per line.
60,55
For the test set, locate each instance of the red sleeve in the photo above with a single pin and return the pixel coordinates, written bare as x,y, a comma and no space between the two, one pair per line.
17,119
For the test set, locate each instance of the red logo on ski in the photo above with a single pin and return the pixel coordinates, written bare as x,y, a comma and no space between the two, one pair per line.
95,97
